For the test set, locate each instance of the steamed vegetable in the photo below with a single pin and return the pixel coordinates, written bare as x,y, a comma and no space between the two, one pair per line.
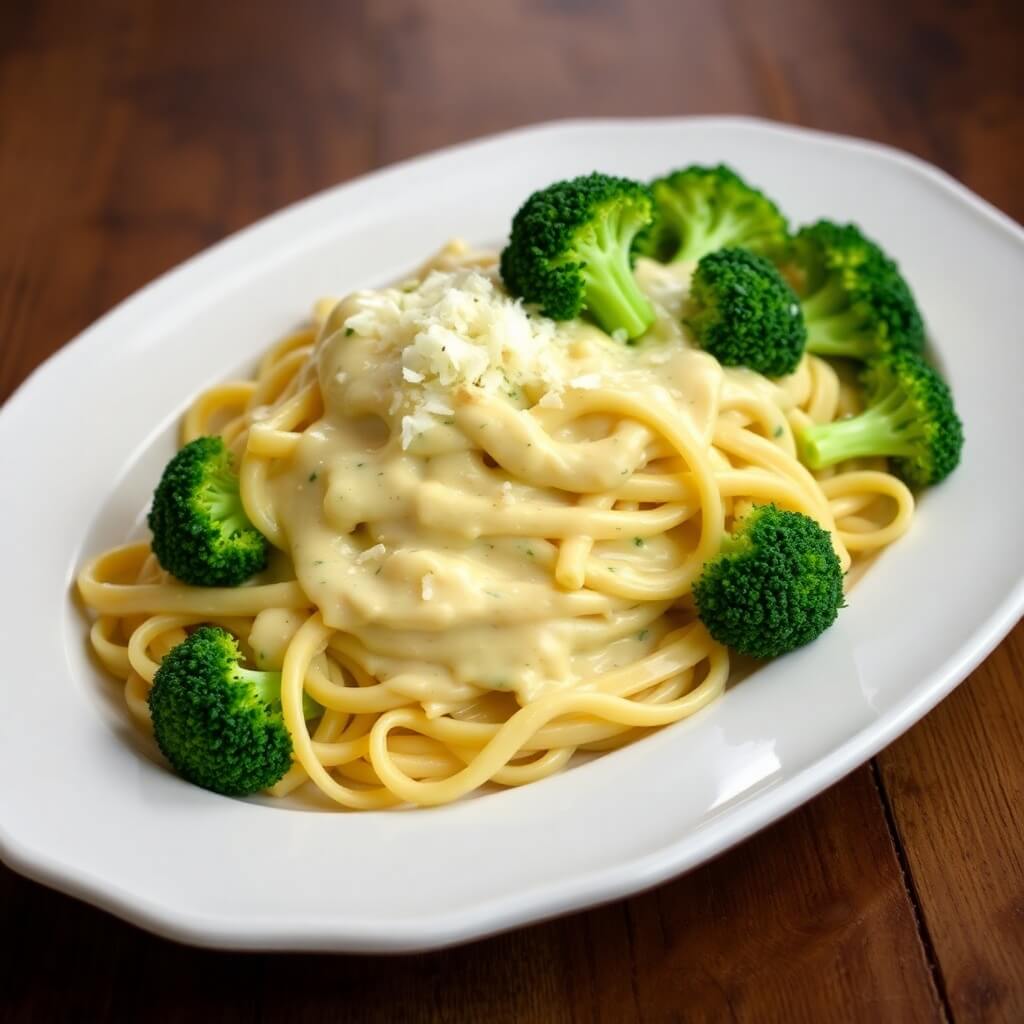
854,299
570,252
200,530
775,585
701,209
744,313
218,724
910,418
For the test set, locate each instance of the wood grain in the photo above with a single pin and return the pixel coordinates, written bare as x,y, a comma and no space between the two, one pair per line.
809,917
956,786
133,134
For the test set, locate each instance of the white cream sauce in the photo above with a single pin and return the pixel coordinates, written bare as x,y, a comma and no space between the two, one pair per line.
409,549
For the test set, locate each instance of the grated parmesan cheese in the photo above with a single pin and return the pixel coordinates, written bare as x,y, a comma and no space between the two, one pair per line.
455,328
551,400
413,426
371,554
427,586
437,407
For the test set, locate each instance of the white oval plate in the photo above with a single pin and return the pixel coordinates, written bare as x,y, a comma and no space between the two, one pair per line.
86,807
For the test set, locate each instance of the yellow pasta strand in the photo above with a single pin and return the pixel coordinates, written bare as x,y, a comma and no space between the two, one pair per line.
574,529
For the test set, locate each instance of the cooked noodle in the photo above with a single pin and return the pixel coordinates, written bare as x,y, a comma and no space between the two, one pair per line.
478,586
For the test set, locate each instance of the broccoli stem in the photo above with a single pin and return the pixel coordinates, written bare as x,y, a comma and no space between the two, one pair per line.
223,498
268,688
835,336
613,296
699,240
698,230
832,326
887,428
682,218
829,299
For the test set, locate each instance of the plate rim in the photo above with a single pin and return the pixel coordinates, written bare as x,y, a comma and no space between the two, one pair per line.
599,885
883,150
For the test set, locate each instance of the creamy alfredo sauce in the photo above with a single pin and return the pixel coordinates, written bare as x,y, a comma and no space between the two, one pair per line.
420,508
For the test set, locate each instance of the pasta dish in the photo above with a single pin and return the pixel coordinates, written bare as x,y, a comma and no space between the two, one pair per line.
483,525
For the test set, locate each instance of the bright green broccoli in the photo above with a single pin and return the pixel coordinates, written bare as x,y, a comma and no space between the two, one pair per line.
854,299
744,313
910,418
775,585
701,209
218,724
570,251
200,530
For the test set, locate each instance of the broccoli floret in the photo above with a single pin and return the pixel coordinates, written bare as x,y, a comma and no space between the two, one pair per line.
910,418
570,251
701,209
744,313
200,531
775,585
854,299
218,724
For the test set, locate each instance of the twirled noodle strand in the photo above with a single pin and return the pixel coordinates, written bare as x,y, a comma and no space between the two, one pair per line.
474,592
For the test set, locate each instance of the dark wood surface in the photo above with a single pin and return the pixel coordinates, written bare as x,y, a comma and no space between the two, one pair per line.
134,134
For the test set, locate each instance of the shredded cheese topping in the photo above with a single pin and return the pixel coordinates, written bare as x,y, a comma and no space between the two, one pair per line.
458,328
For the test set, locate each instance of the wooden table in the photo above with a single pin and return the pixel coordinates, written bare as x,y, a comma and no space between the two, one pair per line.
134,134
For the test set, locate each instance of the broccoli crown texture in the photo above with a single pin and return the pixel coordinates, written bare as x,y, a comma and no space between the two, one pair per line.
744,313
219,725
200,531
570,251
775,585
701,209
910,417
854,298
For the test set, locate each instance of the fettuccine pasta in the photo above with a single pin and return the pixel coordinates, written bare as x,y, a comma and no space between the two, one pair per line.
486,527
